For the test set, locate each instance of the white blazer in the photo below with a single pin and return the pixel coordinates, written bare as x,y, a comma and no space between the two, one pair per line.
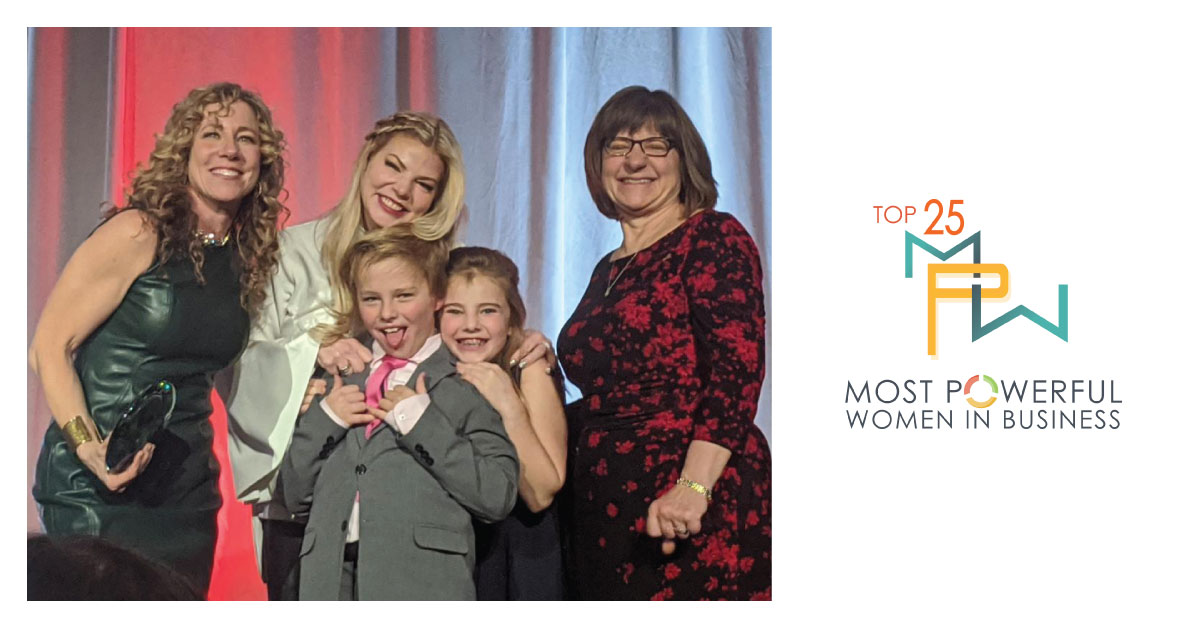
269,380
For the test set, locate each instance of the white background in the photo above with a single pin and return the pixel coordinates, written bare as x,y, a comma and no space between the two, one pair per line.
1071,133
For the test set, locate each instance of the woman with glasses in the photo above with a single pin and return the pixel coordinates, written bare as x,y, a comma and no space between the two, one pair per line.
670,495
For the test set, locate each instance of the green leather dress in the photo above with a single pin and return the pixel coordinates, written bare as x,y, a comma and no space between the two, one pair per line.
169,327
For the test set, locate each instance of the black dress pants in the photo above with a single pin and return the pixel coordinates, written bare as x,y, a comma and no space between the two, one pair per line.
281,558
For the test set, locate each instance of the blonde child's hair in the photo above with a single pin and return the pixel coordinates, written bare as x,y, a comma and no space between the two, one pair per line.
396,242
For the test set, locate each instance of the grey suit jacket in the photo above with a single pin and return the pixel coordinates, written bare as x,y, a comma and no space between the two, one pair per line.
417,492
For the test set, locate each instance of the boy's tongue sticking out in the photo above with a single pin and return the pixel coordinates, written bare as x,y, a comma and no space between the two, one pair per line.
393,337
397,306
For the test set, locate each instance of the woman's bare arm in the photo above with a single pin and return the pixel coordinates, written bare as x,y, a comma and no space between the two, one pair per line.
90,288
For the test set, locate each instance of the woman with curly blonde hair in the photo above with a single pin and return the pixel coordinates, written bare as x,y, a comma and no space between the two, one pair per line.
157,300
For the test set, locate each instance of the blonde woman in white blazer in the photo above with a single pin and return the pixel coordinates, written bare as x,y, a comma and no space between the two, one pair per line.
409,171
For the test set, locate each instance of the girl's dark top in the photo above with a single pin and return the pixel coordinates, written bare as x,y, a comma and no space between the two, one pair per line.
521,558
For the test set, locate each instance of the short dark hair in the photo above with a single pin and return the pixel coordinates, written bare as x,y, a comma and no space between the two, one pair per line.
91,568
630,109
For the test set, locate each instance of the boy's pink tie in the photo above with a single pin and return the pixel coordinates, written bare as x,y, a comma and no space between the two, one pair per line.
377,381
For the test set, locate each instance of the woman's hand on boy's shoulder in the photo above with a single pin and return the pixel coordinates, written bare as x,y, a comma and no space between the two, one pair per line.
348,402
344,356
534,345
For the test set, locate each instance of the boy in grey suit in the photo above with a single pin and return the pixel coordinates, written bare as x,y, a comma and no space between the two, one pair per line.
391,467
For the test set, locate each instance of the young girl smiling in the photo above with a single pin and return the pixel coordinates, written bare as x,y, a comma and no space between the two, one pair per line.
519,558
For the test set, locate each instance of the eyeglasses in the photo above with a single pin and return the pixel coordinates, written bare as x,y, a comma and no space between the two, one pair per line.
651,146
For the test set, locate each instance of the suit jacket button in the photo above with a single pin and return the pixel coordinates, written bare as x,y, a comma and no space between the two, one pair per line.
343,526
360,469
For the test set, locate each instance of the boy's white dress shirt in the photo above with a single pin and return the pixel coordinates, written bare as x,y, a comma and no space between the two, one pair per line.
404,416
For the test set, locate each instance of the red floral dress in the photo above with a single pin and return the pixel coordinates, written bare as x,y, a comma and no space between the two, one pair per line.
673,353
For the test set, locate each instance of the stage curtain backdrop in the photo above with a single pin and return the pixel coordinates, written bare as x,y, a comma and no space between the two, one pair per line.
519,100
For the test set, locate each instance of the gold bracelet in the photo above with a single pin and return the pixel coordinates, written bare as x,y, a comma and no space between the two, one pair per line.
76,433
695,486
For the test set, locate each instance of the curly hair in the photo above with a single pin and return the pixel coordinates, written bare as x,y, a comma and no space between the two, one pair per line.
160,190
439,223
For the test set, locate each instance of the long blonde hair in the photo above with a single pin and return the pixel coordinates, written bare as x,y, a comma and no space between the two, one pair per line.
160,190
439,223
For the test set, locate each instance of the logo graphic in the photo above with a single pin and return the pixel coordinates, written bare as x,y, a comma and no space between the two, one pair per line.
977,293
981,404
